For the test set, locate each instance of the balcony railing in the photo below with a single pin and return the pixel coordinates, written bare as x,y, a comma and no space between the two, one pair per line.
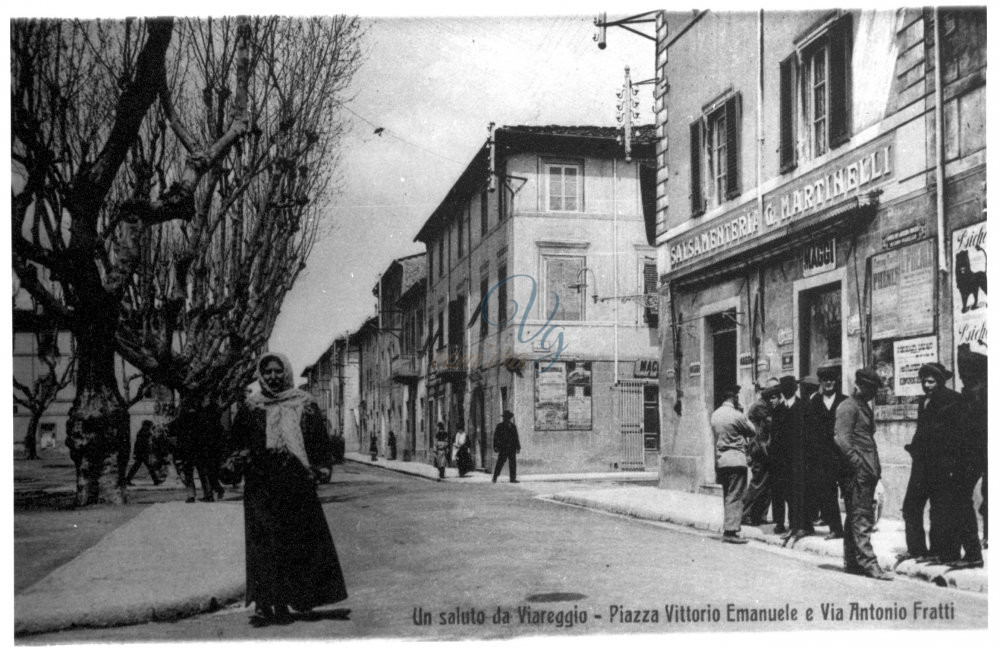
406,368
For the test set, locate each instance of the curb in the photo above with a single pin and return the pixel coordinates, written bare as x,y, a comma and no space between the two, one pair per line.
129,576
969,580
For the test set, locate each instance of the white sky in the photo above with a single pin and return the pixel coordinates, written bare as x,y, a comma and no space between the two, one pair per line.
434,84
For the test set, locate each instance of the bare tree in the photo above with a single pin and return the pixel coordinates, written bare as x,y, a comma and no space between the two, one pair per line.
171,178
81,96
55,374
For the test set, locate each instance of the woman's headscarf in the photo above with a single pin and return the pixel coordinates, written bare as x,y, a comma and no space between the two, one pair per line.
283,409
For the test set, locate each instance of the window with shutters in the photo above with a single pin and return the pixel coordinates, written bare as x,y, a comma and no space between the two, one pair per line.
563,288
715,150
649,281
815,93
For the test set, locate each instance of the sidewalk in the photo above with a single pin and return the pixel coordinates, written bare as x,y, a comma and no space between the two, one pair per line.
427,471
705,512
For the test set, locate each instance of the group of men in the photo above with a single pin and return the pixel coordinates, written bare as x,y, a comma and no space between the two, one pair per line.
802,447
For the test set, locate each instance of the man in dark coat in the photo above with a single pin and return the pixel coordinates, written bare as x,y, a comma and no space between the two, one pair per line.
506,444
854,434
823,465
757,498
142,454
940,422
972,368
790,484
731,430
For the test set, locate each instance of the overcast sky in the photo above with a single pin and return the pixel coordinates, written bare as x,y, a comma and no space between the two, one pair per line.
433,84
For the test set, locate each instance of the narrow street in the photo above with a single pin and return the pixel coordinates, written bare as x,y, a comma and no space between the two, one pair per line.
429,560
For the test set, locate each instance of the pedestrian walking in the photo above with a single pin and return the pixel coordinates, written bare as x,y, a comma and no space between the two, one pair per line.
197,435
392,445
142,454
441,444
463,456
283,451
854,434
790,483
373,446
823,464
935,451
506,444
757,498
731,431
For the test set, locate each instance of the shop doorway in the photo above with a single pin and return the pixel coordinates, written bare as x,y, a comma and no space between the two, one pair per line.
722,327
819,326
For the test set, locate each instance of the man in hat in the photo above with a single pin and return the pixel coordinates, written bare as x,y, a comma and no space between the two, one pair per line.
506,444
822,457
972,369
854,434
789,456
758,495
940,420
731,430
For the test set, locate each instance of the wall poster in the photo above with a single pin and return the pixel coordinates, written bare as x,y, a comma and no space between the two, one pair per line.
968,247
897,363
903,291
908,355
563,397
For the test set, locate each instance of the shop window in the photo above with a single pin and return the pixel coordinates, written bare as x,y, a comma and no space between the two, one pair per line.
563,290
563,186
815,86
819,327
715,147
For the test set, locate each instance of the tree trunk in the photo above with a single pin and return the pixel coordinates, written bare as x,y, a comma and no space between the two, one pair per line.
98,426
31,437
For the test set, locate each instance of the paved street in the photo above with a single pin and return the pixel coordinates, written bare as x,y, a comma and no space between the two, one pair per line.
415,552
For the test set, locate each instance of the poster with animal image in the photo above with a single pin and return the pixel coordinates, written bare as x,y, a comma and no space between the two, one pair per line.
969,261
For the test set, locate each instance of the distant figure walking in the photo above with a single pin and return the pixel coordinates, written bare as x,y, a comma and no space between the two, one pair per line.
463,456
506,444
392,445
142,454
441,449
281,446
373,447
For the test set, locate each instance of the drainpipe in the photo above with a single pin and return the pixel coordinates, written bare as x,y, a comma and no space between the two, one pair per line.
614,209
939,142
760,181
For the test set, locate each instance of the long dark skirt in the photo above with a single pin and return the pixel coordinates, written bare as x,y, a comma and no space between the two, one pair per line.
291,559
464,460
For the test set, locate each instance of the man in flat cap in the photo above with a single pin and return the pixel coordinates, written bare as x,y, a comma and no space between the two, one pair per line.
823,465
758,495
506,444
933,449
788,454
731,430
854,434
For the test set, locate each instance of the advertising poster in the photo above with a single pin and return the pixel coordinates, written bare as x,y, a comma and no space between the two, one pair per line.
969,291
908,355
903,291
550,397
578,395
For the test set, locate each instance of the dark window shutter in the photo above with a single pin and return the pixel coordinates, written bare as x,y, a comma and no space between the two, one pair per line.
787,108
733,146
697,199
649,277
840,81
647,190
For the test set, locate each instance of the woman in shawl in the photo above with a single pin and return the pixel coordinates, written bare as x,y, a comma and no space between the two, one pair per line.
441,444
281,442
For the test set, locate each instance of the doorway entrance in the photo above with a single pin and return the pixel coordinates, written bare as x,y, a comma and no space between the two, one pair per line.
651,417
819,326
722,329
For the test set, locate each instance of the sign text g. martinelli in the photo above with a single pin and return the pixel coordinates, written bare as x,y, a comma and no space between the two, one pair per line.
853,174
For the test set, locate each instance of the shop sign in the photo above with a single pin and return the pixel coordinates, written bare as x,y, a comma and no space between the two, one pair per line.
819,257
694,370
968,277
907,356
764,366
746,360
902,237
785,336
854,324
787,362
646,369
669,373
853,174
903,291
